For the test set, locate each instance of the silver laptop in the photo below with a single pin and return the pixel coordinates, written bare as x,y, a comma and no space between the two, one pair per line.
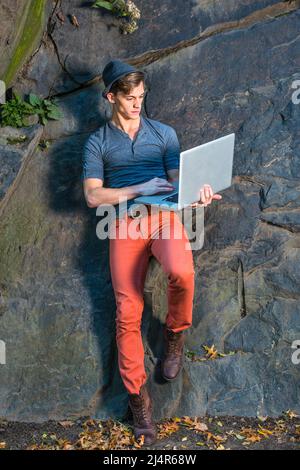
209,163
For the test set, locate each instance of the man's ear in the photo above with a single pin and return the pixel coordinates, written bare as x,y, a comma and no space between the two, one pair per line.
110,97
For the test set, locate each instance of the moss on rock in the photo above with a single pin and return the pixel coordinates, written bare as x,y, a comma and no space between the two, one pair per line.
28,39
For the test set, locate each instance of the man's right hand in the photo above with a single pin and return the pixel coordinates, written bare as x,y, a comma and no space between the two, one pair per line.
154,186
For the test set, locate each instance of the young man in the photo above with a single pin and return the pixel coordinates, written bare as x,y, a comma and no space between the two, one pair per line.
134,155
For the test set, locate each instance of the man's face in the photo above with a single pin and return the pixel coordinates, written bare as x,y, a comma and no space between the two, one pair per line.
129,106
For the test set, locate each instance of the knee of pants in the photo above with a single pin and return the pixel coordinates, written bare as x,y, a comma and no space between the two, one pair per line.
127,327
129,313
182,277
129,304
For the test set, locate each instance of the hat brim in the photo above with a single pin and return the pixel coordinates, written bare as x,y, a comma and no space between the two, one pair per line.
107,89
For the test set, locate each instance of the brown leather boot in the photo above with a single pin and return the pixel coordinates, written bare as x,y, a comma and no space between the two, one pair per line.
173,354
141,407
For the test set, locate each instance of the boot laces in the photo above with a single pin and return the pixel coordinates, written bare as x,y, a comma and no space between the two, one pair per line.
141,408
173,344
144,412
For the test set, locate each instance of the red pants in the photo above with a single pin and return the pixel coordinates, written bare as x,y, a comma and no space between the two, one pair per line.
128,264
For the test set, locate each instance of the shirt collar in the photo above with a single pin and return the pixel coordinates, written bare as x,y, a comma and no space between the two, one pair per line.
142,127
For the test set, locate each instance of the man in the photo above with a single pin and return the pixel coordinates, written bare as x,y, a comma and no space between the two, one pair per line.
134,156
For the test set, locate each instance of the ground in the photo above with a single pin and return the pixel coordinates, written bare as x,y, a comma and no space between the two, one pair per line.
189,433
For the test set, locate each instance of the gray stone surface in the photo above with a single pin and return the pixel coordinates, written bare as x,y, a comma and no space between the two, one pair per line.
73,55
57,307
16,148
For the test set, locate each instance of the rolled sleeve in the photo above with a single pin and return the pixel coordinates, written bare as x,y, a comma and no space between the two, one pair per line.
92,161
172,150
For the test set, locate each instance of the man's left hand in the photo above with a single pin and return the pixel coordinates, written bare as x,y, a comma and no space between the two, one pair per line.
206,196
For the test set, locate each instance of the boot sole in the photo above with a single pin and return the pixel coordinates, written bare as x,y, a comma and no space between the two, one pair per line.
152,441
170,379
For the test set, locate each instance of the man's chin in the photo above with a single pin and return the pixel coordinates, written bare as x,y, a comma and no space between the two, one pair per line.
134,116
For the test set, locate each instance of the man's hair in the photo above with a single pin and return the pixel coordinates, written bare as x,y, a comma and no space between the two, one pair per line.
128,82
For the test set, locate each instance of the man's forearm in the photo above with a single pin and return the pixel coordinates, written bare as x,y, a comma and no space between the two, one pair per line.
173,180
173,175
113,196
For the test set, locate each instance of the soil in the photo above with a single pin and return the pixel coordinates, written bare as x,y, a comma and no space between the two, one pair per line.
201,433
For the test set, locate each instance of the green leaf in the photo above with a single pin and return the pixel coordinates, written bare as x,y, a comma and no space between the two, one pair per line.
15,111
54,115
103,4
28,108
17,97
52,107
34,100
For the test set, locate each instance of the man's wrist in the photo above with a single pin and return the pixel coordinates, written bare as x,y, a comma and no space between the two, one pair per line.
138,189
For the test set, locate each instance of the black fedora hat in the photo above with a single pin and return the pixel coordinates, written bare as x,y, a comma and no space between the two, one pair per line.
114,70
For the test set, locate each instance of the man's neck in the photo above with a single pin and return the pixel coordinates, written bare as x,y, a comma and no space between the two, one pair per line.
126,125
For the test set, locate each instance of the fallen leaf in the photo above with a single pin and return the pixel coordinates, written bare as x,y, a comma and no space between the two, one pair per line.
167,428
250,434
66,424
74,21
140,441
265,431
200,427
262,418
253,438
211,352
176,419
194,424
238,436
291,414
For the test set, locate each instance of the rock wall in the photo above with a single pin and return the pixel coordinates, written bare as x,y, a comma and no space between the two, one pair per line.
225,67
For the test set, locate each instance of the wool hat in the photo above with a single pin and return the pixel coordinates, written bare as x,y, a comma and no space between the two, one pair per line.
114,70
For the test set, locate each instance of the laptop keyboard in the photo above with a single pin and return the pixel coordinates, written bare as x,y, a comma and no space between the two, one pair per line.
173,198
